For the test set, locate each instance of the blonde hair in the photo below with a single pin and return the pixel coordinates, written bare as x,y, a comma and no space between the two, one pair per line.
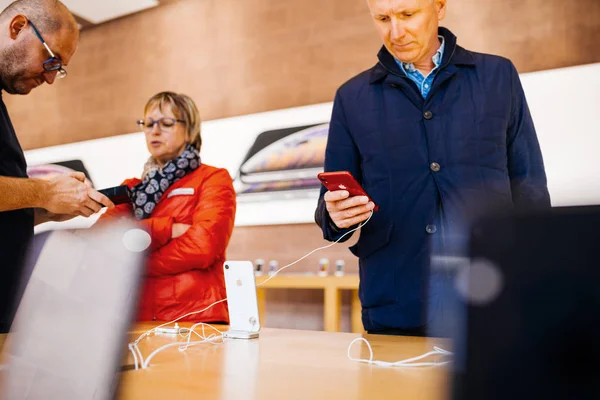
183,108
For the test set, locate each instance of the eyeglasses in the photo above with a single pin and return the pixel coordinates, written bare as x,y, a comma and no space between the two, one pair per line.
53,63
165,124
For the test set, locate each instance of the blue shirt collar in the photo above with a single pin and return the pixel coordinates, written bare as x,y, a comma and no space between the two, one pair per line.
437,58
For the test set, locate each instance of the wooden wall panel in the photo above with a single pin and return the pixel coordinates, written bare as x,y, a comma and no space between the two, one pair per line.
243,56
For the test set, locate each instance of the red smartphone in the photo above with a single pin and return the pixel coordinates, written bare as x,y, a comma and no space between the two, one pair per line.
343,180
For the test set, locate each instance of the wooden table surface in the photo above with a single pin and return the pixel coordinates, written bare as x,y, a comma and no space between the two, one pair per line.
285,364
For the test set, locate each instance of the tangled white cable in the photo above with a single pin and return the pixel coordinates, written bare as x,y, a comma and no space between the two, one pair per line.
138,358
183,346
408,363
186,333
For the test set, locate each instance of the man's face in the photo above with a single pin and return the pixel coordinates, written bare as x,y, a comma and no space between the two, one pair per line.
21,62
408,28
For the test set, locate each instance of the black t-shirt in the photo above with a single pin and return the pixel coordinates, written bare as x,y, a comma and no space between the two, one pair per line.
16,227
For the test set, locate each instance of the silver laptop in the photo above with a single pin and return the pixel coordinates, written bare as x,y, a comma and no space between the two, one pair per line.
69,334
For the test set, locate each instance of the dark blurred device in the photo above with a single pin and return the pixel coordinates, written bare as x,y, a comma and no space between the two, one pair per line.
117,194
533,308
68,338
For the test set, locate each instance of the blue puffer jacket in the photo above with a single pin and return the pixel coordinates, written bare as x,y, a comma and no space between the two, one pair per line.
470,145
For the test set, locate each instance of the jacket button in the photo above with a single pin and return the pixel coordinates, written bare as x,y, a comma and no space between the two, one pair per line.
431,229
427,115
435,167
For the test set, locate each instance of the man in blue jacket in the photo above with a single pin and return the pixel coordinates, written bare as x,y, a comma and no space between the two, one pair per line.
436,135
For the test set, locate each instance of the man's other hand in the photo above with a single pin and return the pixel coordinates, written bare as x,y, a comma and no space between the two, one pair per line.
68,194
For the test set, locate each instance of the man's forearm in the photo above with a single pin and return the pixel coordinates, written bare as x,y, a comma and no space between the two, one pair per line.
17,193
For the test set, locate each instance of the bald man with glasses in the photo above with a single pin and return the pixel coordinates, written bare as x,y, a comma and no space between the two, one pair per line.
39,38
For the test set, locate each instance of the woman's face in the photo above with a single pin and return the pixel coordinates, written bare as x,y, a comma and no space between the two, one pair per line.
167,138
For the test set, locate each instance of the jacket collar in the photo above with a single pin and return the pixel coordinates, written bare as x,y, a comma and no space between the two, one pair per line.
453,54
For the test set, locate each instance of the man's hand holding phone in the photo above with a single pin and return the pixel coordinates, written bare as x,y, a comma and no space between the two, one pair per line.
346,211
347,202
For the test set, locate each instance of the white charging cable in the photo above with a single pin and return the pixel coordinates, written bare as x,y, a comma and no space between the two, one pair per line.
213,338
186,333
138,358
408,363
135,357
183,346
315,250
134,348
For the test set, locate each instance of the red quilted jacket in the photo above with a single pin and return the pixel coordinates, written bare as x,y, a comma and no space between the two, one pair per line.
185,274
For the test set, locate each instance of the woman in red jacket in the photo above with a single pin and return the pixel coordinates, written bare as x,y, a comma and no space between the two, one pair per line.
188,208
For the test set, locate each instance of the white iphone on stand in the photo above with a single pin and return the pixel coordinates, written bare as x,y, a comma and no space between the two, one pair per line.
244,322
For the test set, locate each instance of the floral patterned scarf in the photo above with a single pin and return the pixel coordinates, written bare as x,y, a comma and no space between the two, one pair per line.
155,180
